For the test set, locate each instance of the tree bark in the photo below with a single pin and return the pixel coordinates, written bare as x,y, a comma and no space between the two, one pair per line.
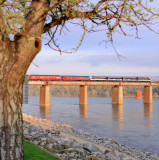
11,132
15,58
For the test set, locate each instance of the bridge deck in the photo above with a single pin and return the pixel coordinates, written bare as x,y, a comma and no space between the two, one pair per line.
94,83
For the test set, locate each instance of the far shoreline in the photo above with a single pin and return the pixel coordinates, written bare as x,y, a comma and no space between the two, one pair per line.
95,96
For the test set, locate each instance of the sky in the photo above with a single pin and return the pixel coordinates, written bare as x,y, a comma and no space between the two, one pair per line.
140,56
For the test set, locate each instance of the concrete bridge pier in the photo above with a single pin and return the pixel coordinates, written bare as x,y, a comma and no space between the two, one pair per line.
83,97
45,96
147,94
117,95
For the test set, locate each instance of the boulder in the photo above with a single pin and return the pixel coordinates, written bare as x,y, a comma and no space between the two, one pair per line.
91,147
112,156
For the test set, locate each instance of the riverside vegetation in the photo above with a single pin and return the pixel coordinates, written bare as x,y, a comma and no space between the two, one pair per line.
93,91
32,152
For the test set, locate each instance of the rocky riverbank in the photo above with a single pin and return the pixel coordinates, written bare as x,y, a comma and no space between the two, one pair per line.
65,142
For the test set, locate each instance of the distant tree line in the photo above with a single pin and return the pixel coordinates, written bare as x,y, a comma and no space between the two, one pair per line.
93,91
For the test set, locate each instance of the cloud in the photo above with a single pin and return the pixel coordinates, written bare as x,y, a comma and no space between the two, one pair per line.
91,59
94,66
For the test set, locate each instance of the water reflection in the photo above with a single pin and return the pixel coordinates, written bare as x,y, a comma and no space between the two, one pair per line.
148,114
117,114
148,109
83,108
45,111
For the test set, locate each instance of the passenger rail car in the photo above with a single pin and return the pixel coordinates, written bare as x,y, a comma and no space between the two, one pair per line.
98,78
75,78
145,79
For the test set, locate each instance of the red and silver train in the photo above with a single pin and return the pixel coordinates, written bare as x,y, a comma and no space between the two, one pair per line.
88,78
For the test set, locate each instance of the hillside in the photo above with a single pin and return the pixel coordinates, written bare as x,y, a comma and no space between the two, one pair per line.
93,91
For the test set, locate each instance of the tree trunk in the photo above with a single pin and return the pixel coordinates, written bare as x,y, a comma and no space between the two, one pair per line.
15,58
11,126
11,132
11,85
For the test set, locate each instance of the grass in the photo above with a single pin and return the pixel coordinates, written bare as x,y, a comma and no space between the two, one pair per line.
32,152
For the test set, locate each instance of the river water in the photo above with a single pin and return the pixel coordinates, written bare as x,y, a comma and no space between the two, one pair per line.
133,124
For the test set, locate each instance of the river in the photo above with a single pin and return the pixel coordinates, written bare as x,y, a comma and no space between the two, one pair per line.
133,124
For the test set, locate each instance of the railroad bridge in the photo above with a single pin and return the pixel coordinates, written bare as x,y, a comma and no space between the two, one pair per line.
117,93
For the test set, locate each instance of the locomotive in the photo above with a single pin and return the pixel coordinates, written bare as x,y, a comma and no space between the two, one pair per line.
88,78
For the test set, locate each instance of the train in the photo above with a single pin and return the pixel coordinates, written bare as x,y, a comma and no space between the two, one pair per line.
88,78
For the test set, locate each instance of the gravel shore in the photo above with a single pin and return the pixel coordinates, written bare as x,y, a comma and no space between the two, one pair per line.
70,144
